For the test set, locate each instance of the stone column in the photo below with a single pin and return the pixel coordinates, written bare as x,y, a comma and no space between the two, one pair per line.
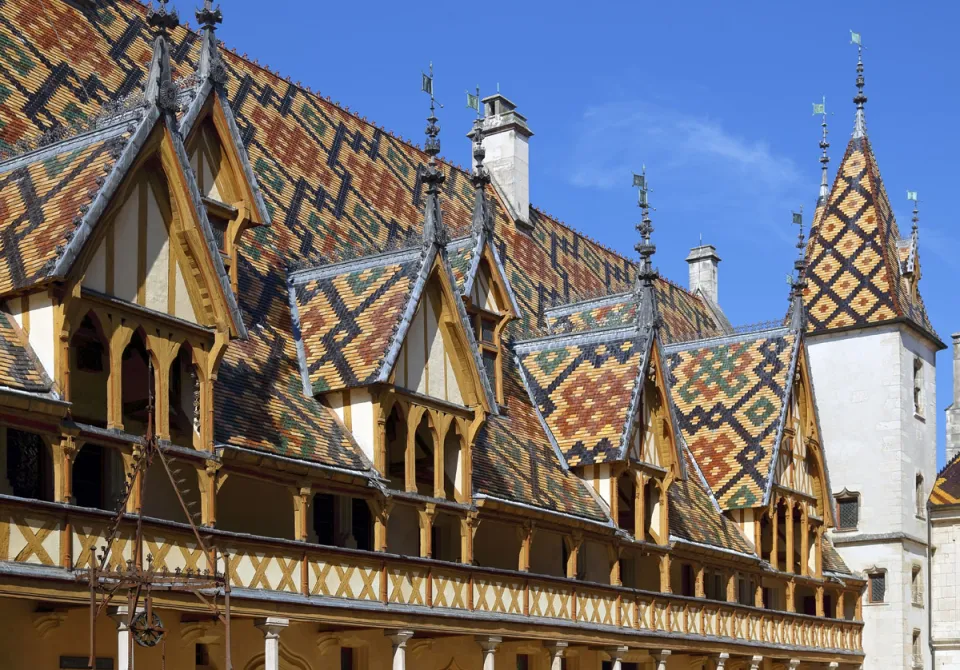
556,651
722,660
489,646
794,663
399,641
662,659
616,655
271,627
125,642
755,662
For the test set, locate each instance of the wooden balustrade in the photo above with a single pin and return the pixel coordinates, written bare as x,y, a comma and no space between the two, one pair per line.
56,535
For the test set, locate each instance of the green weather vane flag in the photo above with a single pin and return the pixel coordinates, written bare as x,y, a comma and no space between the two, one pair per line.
912,195
856,39
473,101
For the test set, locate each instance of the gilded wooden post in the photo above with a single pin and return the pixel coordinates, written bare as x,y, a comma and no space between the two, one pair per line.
758,595
613,551
804,541
665,573
699,590
207,478
791,596
639,507
468,526
410,453
426,516
439,490
839,606
525,532
65,453
820,612
818,553
732,578
664,514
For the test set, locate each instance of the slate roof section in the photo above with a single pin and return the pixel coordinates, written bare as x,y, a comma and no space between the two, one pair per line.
43,195
348,315
695,516
832,562
583,387
854,272
19,367
946,490
729,397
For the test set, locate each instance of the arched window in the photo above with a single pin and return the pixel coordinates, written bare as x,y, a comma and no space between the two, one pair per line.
29,465
921,498
89,372
135,376
453,464
184,398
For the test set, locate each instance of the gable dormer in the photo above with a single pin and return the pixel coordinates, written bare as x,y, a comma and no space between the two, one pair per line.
385,341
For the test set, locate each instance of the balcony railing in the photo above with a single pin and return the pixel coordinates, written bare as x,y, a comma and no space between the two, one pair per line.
56,535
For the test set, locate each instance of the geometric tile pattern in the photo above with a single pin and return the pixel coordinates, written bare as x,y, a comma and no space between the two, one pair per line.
693,516
19,367
512,460
854,275
461,256
347,322
684,316
583,392
40,203
946,490
728,399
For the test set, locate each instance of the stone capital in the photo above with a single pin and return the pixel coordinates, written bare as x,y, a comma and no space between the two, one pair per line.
271,625
400,638
489,644
617,652
556,649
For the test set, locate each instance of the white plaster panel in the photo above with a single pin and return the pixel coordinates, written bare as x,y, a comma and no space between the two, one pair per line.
42,337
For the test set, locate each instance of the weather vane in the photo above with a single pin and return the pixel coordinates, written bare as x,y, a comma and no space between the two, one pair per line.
912,195
645,248
473,102
432,144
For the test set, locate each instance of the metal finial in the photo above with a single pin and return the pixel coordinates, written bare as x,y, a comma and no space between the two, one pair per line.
432,144
208,17
912,195
860,125
821,108
645,248
161,20
798,282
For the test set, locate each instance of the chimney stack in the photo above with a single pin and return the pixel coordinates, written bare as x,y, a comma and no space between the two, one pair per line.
506,139
703,261
953,412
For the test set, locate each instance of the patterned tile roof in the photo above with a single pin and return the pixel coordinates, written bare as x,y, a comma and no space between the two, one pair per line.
946,490
685,316
728,397
42,195
334,186
695,517
19,367
348,318
854,275
832,562
461,253
513,461
583,389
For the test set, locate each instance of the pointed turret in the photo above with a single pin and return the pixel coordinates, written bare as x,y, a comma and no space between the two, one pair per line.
646,273
160,89
432,176
211,65
853,269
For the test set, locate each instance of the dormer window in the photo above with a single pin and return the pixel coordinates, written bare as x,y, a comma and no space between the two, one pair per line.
487,307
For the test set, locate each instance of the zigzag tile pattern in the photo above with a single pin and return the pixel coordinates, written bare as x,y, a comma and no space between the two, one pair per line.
19,369
854,276
513,461
946,490
41,202
583,393
693,516
348,322
685,317
729,399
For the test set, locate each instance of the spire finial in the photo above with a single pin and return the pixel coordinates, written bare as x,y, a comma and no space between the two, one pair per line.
482,219
210,66
160,89
645,247
798,282
821,108
912,195
431,175
860,125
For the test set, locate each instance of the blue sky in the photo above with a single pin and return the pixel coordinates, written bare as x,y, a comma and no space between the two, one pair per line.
715,98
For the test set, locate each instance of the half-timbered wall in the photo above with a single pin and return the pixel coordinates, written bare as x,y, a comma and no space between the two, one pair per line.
426,361
34,313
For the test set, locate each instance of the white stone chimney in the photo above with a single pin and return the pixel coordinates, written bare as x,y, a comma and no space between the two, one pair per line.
703,261
953,411
506,138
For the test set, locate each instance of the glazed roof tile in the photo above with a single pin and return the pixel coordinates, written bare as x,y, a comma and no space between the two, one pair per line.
583,389
349,315
42,197
729,397
946,490
19,367
854,253
832,562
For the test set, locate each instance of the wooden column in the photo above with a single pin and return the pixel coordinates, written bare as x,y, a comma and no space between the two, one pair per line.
209,481
790,566
64,455
410,453
468,526
838,608
439,490
380,510
775,536
613,551
732,578
804,541
820,612
302,497
758,595
573,541
163,353
665,574
119,339
791,596
664,514
426,516
818,553
525,534
699,589
639,508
